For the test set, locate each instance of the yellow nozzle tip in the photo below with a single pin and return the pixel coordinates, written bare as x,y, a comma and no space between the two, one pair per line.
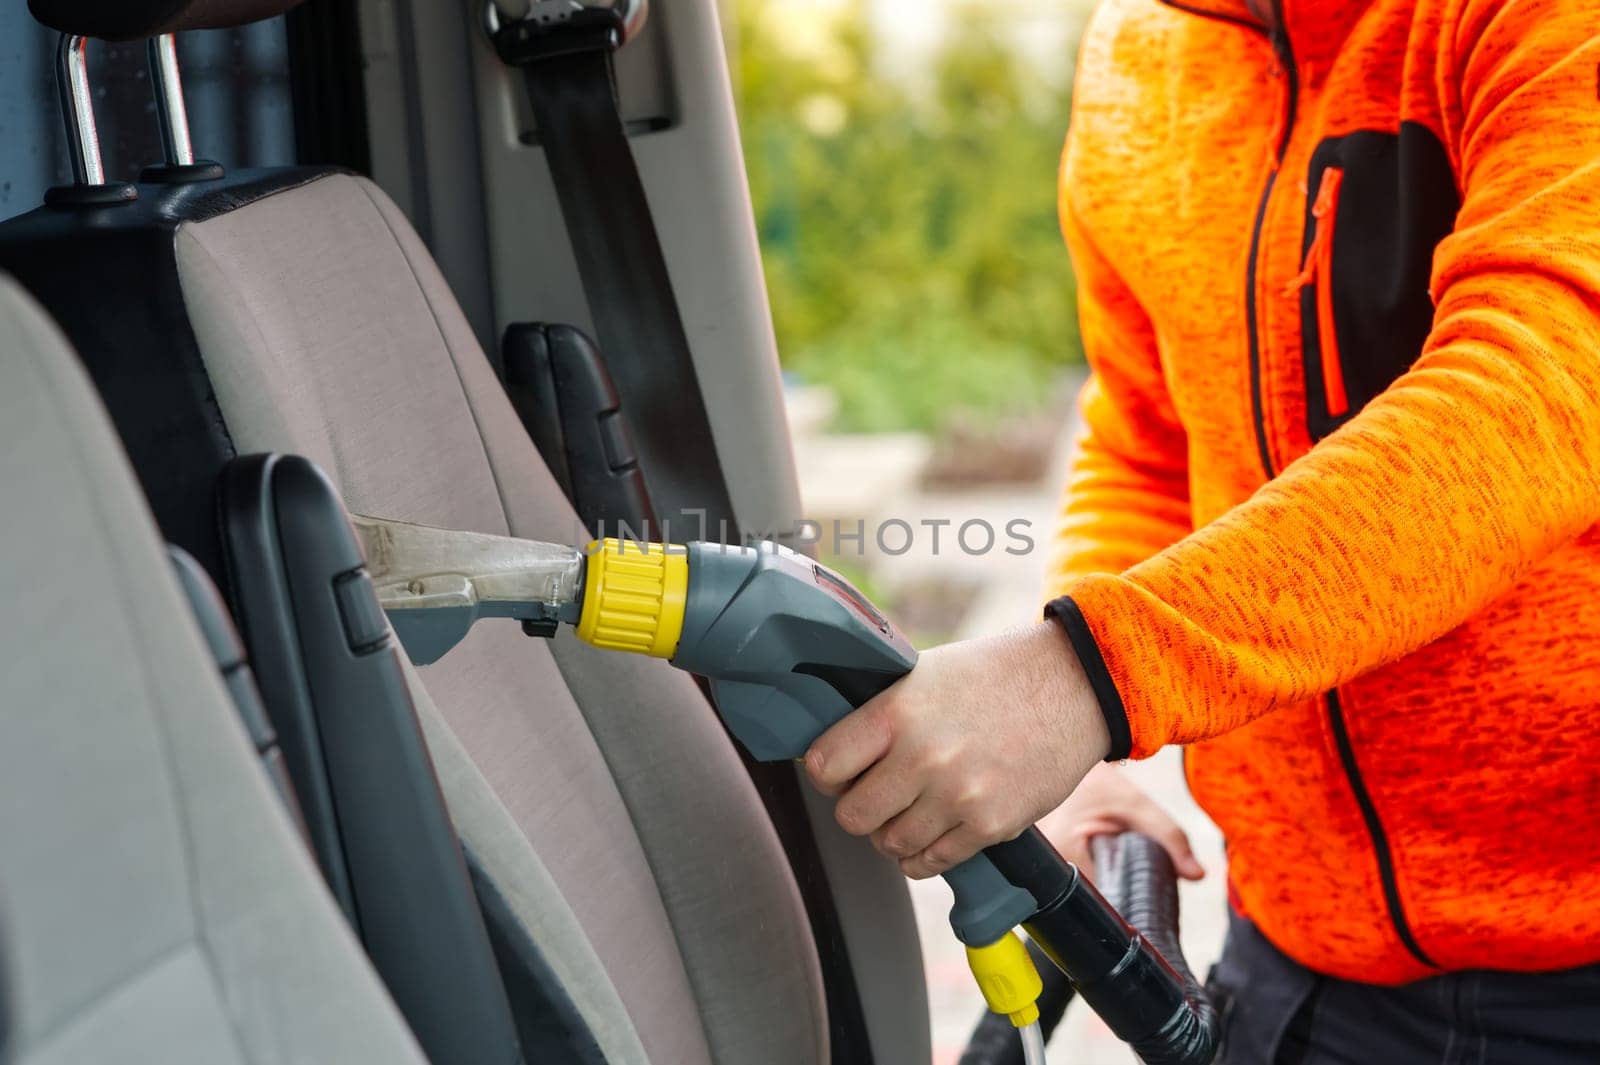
1007,978
634,596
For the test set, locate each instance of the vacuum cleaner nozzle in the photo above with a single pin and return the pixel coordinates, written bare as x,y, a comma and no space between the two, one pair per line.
435,583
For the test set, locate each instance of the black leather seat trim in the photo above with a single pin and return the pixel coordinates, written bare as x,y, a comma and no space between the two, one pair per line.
109,276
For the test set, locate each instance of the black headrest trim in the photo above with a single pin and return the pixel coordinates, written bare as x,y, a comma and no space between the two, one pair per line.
132,20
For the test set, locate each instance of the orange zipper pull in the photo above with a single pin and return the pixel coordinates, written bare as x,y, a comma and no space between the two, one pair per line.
1322,240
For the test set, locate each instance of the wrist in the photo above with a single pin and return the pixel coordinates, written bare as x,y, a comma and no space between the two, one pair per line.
1062,692
1085,711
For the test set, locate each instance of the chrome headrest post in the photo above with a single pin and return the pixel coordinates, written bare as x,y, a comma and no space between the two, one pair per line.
179,166
171,113
89,186
77,109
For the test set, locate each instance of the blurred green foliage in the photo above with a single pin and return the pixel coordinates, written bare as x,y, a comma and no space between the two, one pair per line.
909,231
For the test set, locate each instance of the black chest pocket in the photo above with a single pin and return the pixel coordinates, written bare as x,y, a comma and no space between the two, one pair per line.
1379,204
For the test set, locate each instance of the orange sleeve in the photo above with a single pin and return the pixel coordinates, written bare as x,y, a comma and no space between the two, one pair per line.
1127,493
1448,487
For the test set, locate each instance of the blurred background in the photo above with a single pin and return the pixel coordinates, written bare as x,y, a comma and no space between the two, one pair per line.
902,158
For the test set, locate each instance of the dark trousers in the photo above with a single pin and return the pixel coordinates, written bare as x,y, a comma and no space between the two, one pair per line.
1276,1012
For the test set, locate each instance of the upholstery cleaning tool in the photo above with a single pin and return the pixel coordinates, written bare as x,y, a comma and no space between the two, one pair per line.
790,647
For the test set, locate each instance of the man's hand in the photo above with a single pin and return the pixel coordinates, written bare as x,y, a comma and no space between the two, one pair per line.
1105,804
980,740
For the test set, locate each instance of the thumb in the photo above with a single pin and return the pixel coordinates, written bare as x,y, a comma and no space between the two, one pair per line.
1159,826
1175,842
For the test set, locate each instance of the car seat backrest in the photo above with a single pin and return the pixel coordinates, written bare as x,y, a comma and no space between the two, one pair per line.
158,906
327,330
112,277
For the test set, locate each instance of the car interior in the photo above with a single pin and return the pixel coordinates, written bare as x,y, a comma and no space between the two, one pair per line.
236,822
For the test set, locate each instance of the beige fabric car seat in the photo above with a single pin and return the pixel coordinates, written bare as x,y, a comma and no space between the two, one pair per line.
158,906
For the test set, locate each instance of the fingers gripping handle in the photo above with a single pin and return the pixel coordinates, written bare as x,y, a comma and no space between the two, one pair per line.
782,719
790,648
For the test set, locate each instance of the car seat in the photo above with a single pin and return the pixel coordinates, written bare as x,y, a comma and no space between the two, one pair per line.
158,906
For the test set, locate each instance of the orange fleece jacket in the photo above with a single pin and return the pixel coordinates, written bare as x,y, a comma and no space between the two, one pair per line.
1334,519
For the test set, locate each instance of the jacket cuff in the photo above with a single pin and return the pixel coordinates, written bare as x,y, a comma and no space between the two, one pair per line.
1065,613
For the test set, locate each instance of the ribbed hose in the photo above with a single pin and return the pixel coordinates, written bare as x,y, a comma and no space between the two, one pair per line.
1138,879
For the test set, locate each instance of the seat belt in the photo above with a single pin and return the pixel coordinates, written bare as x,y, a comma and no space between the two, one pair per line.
567,64
565,53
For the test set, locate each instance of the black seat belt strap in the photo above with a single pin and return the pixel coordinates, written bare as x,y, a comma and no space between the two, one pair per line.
572,87
567,63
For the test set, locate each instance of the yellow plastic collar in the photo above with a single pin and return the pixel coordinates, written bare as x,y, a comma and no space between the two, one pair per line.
1007,978
633,597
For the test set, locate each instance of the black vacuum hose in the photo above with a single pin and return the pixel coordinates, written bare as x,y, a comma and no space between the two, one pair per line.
1139,880
1127,965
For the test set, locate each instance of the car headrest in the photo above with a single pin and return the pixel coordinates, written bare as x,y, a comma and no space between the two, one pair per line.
131,20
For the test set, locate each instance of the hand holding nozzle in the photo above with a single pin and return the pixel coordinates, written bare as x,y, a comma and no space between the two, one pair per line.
790,648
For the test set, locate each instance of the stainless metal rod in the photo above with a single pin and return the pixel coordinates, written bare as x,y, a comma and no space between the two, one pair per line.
171,114
77,110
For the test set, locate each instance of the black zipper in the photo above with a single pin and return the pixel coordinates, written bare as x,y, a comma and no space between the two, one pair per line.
1278,37
1280,44
1380,839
